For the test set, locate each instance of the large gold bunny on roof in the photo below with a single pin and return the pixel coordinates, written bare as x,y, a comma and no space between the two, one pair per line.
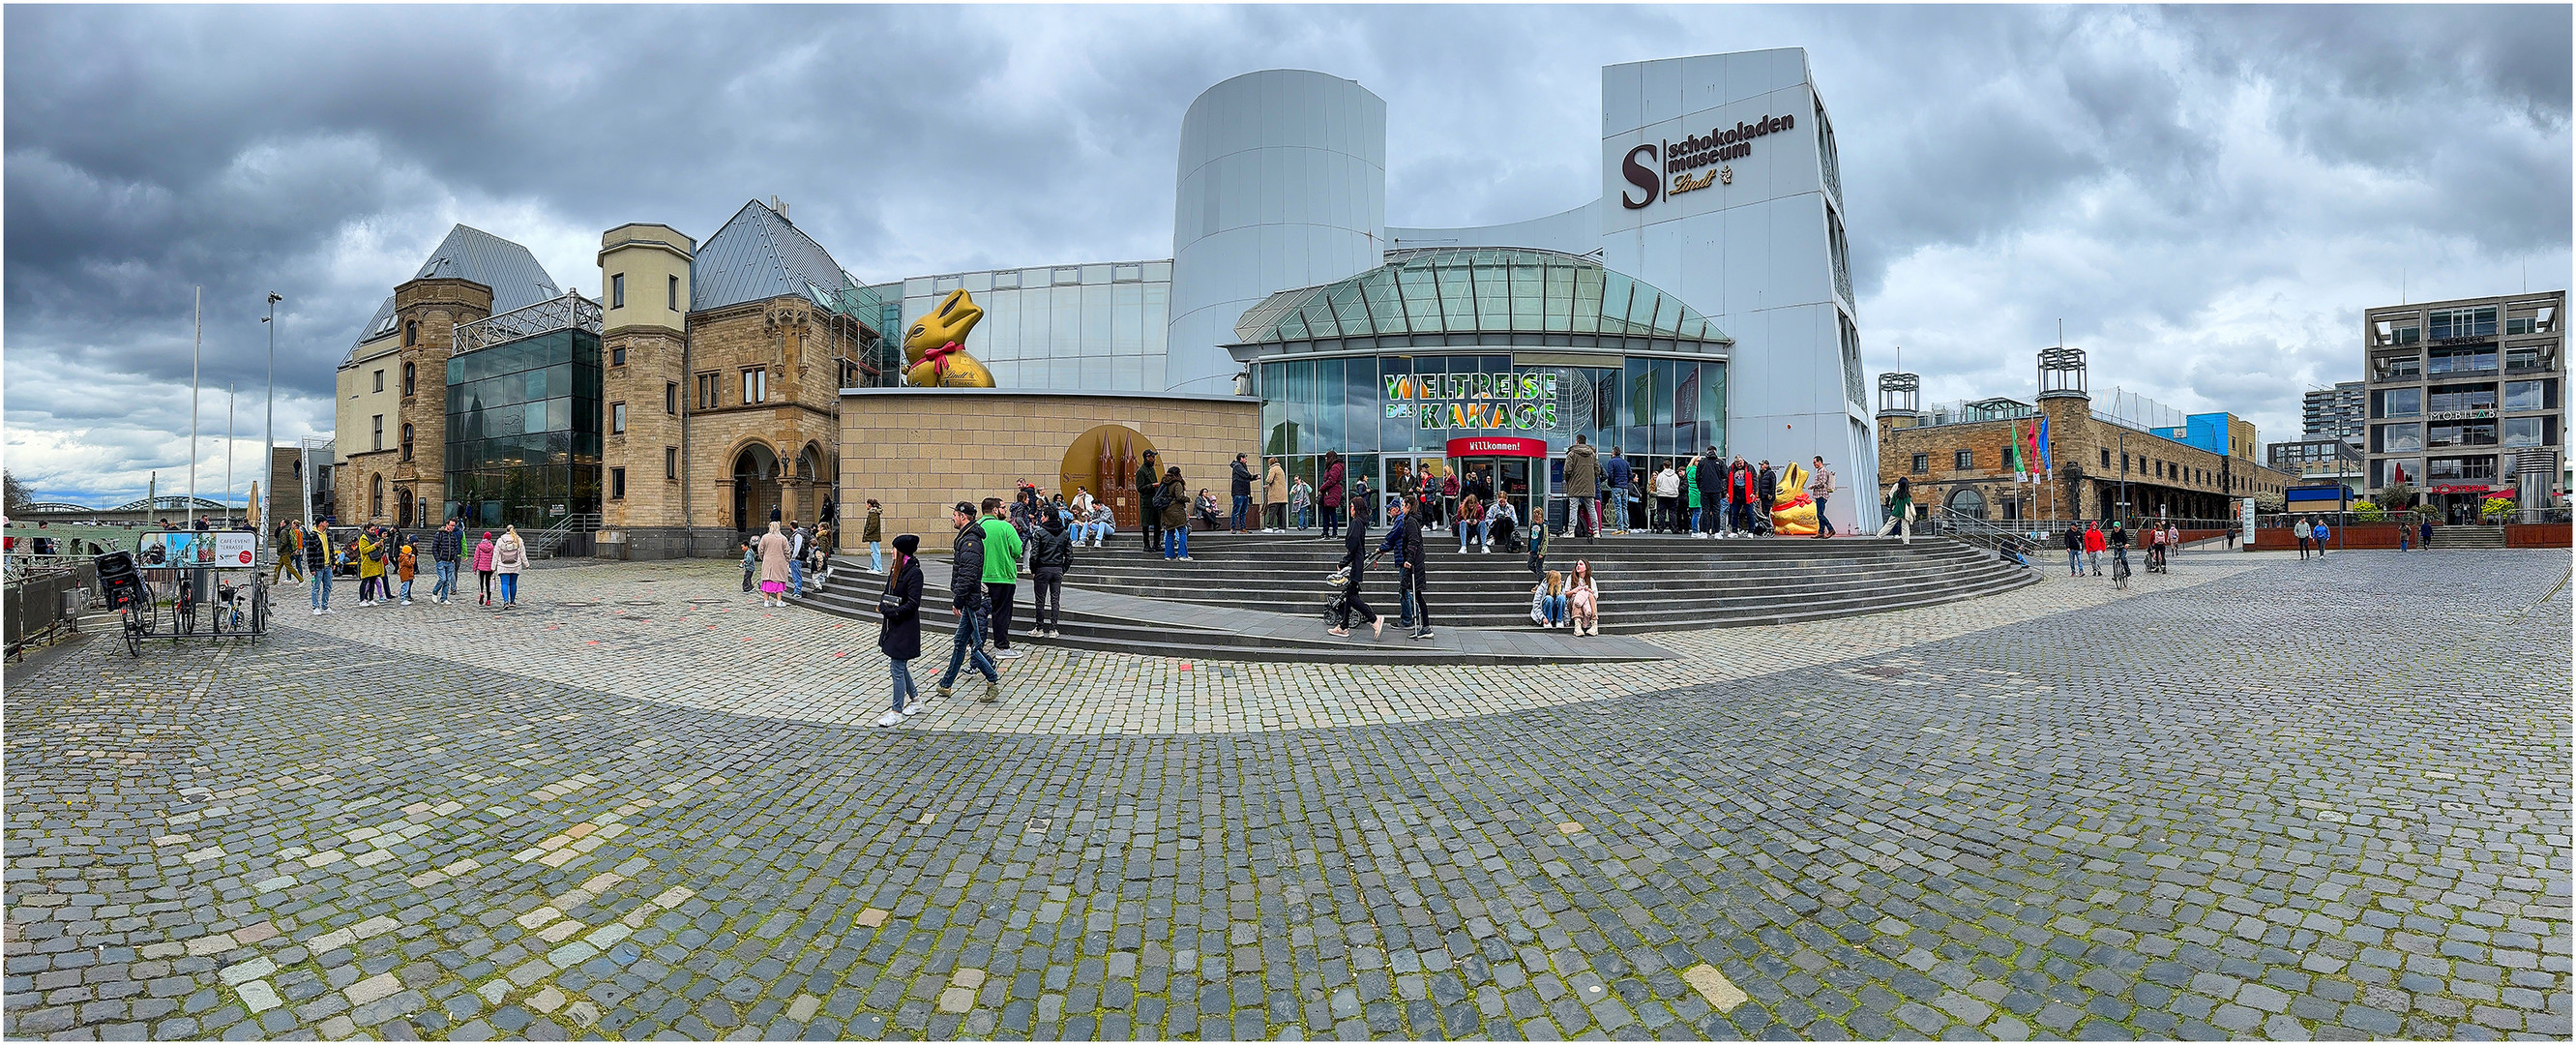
935,348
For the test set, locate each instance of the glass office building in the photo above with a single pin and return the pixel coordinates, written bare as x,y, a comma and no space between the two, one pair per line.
1094,326
1490,359
523,427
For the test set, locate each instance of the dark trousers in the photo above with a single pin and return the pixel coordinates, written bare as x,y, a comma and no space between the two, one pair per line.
1668,514
997,594
1411,578
1149,525
1332,520
1824,526
1049,597
1355,608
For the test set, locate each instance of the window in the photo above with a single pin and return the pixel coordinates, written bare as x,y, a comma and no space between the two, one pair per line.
406,441
2524,395
2475,321
380,380
2461,362
2399,402
755,385
617,291
2400,368
670,397
2397,439
674,291
2454,398
1963,459
2462,433
2455,469
2124,464
2525,358
617,484
2106,458
379,443
710,390
617,356
616,418
2526,431
409,381
1922,463
411,336
376,496
670,462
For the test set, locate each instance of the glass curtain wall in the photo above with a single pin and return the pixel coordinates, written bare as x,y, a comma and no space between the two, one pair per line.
523,431
1098,326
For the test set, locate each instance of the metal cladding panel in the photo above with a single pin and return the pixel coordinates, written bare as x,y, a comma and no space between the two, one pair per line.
1282,184
513,274
759,254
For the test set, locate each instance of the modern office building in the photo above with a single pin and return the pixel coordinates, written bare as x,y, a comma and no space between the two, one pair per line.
1094,327
2340,412
2467,398
2320,460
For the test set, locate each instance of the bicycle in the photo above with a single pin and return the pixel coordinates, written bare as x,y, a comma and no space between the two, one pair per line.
2120,570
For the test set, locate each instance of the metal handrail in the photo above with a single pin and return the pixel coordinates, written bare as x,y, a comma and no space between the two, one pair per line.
1983,534
547,540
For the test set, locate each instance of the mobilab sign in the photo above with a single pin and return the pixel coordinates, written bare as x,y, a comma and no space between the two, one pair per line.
1679,158
1523,400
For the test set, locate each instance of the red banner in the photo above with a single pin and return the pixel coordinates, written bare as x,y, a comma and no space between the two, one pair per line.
1497,446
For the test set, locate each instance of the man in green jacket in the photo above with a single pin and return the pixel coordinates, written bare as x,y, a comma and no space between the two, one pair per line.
1001,574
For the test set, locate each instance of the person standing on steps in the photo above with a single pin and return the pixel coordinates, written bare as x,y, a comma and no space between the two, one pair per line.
1709,475
796,558
773,566
1242,491
966,600
1149,517
1332,493
1001,575
1740,493
873,532
1301,501
1766,491
899,627
1172,501
1668,501
1274,498
1820,485
1900,510
1583,487
1618,472
1355,565
1410,562
1052,555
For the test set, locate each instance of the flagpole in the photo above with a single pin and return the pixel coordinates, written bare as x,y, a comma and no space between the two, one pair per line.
232,431
196,362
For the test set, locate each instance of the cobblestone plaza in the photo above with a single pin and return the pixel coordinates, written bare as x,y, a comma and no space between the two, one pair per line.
2253,798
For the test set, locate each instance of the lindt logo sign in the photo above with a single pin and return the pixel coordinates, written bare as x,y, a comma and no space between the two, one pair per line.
1679,158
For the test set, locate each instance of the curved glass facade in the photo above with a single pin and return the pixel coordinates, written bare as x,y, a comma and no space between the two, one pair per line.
1491,290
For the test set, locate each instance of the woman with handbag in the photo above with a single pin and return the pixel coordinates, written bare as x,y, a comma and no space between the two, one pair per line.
899,626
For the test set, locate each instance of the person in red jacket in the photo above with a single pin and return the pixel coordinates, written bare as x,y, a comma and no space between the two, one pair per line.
1741,494
2093,546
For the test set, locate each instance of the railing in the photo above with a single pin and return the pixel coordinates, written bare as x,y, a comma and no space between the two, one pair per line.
571,310
2006,544
545,541
40,600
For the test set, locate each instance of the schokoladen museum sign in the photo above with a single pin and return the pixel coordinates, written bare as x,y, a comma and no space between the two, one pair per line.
1678,159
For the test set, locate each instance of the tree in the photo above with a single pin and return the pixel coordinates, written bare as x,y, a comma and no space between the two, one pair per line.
2397,495
17,496
2269,501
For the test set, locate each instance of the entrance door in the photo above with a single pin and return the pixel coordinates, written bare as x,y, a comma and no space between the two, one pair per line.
1512,478
1429,469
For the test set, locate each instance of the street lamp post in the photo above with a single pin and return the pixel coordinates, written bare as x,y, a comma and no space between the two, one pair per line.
268,445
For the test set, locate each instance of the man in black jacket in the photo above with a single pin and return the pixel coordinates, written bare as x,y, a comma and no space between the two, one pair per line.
1242,491
966,600
1767,486
1409,563
1711,480
1149,520
445,550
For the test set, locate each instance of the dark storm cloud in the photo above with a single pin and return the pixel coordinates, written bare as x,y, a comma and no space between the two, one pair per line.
2208,195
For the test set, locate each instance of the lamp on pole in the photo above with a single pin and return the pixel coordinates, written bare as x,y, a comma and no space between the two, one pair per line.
268,451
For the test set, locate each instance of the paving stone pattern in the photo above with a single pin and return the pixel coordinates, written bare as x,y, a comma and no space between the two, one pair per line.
2280,801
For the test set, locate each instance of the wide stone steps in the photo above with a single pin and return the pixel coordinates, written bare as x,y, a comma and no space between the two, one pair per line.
2468,537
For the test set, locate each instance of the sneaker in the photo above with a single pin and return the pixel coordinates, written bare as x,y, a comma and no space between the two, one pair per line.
889,718
406,602
1424,634
992,694
317,611
1008,654
947,691
329,610
913,708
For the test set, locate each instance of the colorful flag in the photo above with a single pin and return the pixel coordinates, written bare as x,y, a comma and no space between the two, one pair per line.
2047,463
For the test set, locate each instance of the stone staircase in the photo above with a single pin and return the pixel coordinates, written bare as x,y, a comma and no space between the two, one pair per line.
2468,537
1259,597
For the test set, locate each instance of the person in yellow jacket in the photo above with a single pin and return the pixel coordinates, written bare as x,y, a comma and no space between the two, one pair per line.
371,570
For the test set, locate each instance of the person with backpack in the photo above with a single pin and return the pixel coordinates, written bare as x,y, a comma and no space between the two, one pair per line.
1049,557
1820,485
509,556
1149,513
1172,509
317,562
899,627
966,600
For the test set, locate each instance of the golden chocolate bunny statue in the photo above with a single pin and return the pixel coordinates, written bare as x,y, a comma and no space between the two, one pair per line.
934,349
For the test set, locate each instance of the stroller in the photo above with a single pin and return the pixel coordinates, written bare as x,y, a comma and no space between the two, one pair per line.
2155,558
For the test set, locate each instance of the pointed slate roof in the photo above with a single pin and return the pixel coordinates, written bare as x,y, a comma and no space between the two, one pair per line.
517,281
760,254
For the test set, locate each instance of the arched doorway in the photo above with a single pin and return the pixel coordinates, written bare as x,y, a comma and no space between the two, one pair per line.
1968,502
755,487
1104,461
402,507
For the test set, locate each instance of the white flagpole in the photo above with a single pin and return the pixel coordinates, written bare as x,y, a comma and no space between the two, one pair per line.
231,433
195,373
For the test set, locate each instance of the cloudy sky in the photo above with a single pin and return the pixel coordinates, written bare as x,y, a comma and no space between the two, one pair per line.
2207,196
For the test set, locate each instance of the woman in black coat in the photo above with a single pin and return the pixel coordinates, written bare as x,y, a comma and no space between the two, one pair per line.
899,628
1354,566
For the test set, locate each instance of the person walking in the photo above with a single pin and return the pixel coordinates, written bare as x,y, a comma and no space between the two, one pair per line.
1052,556
1583,599
406,564
509,556
1172,500
1301,503
2093,547
899,627
774,553
1900,510
371,566
2119,541
2303,532
1333,490
483,565
1668,501
2173,543
1274,497
1002,552
289,545
873,532
2074,550
1820,486
1547,601
1617,472
1409,563
966,600
445,548
317,562
2323,532
1241,491
2427,532
1583,486
1149,515
1355,566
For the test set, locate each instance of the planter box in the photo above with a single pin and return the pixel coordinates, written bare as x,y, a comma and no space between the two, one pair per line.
2359,535
2538,535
